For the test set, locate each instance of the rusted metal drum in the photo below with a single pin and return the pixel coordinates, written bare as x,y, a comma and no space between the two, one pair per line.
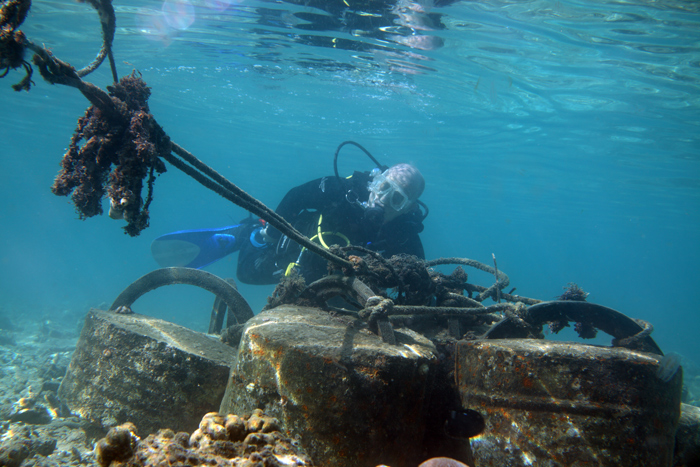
565,404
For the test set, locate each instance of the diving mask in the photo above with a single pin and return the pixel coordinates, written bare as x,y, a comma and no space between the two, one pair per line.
385,191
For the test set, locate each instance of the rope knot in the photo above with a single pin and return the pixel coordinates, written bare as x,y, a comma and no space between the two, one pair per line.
377,308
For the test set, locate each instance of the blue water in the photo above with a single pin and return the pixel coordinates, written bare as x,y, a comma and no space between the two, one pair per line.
563,137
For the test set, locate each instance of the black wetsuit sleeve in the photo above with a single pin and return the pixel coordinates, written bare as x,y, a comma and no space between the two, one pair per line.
263,265
316,195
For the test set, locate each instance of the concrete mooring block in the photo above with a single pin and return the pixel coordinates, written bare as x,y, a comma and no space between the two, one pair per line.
155,374
558,403
351,399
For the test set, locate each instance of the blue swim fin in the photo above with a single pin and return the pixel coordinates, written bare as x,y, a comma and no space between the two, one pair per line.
197,248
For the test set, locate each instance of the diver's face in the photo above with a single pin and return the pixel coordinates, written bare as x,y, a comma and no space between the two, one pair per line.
384,192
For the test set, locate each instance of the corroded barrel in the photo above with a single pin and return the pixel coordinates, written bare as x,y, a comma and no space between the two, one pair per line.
555,403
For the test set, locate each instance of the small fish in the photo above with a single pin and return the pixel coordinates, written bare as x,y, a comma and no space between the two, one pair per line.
464,423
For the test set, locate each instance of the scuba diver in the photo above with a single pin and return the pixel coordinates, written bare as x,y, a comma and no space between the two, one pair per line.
377,210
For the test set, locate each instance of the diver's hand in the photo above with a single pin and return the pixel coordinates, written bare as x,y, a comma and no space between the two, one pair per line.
259,238
265,236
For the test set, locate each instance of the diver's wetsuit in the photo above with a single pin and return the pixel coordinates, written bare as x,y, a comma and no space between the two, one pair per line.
337,201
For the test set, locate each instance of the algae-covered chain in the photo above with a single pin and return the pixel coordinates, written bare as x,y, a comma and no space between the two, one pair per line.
143,147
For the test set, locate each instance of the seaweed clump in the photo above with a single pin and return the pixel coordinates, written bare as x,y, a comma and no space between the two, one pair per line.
114,154
573,292
287,291
13,41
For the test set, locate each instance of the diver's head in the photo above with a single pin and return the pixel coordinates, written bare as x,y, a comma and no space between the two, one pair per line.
395,190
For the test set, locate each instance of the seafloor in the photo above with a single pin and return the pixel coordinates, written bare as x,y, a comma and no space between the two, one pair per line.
35,354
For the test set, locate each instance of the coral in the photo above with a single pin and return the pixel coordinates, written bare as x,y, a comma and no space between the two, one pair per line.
117,446
253,441
131,143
